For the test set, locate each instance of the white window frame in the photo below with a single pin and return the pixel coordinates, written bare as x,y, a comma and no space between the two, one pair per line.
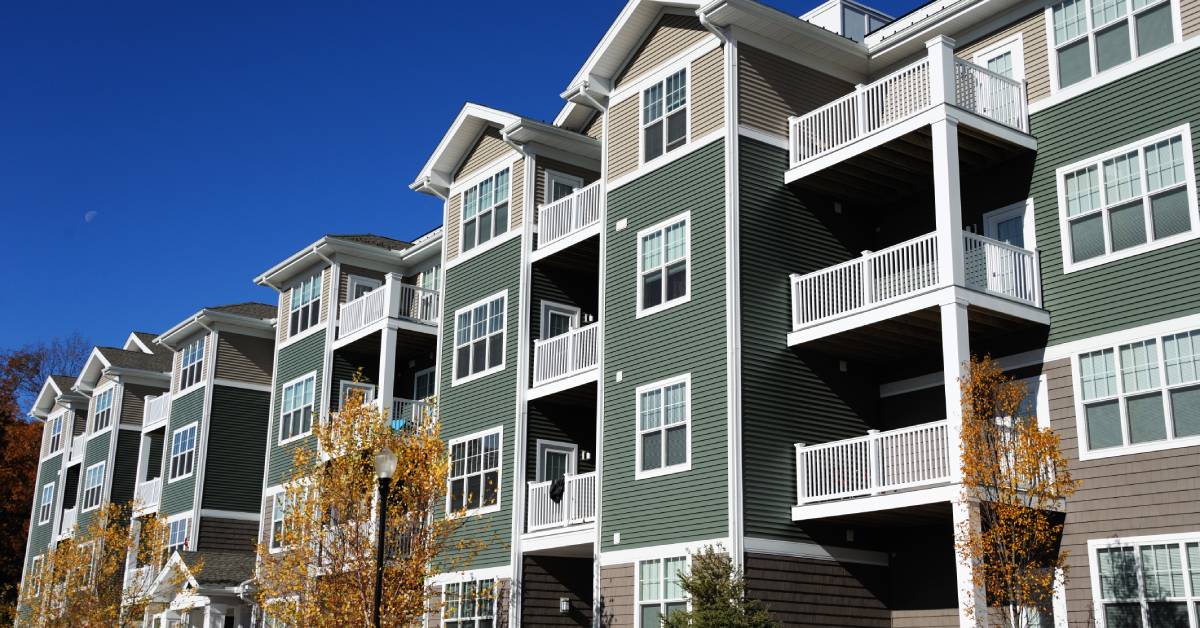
665,304
474,620
571,449
109,393
89,490
561,177
432,373
35,570
314,405
487,370
1052,47
278,516
660,80
358,280
639,474
450,476
479,211
1024,209
191,363
1191,600
346,385
1014,45
549,307
46,503
662,600
55,431
185,456
173,524
315,285
1097,161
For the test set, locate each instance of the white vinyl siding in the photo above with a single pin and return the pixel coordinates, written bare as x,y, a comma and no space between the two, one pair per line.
479,338
305,305
664,265
485,210
93,486
664,116
296,409
191,367
183,452
659,591
474,478
1088,37
664,428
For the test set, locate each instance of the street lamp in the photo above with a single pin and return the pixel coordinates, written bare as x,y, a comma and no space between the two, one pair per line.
385,467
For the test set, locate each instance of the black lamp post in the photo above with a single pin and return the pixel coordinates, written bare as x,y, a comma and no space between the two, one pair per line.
385,467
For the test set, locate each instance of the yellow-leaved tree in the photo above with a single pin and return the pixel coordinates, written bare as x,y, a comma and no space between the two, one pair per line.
1016,474
318,562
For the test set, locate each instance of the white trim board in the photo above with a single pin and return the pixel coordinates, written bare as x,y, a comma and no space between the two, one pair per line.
815,551
628,556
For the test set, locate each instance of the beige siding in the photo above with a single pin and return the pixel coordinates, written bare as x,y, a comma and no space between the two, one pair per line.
516,209
708,92
488,148
1189,11
543,164
616,595
671,36
244,358
285,306
623,137
595,128
926,618
771,88
453,223
176,364
1033,38
133,401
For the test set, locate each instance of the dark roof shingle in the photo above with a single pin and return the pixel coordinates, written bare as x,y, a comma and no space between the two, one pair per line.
63,382
250,309
155,362
220,568
382,242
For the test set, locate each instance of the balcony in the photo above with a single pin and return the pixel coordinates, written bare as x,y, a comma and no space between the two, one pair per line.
140,579
409,304
566,360
146,496
569,219
75,453
406,413
66,526
156,412
576,506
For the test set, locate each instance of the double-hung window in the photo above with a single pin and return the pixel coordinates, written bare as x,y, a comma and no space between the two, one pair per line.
474,473
1151,581
1092,36
177,534
1136,198
479,337
183,452
55,429
278,515
295,417
93,486
191,366
660,592
664,252
469,604
35,575
46,505
664,427
665,116
103,411
305,305
485,210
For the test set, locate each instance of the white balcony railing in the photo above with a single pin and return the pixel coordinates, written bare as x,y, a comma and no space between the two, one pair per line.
147,495
394,299
907,268
157,410
409,412
75,453
576,506
879,462
565,355
66,526
903,94
139,579
569,214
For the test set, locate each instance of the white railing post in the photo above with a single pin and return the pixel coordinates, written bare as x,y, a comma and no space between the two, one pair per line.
941,71
801,485
873,454
867,281
860,110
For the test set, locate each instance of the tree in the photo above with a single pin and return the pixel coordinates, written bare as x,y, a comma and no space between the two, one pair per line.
717,591
322,567
82,578
1015,471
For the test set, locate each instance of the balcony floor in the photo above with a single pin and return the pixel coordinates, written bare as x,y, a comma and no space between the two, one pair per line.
911,506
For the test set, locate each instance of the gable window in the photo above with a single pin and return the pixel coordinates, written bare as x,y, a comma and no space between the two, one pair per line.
469,604
479,338
55,429
297,408
305,305
191,368
1134,199
46,506
663,274
1091,36
474,479
664,116
183,452
485,210
1146,582
660,593
664,427
177,534
103,415
93,486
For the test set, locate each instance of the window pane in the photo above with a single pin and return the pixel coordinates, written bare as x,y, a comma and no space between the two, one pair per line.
485,227
1082,191
854,24
651,409
651,451
1069,20
478,356
1074,65
652,244
676,90
1105,11
468,239
472,491
1168,614
1180,354
501,218
1118,573
676,445
676,242
1122,178
1162,572
651,289
650,615
1087,238
676,400
649,580
1139,366
1193,560
676,607
676,130
463,368
1154,29
470,203
1146,422
677,281
495,350
672,567
502,186
1185,411
652,103
1097,374
1170,213
1112,47
1001,64
1123,615
1103,425
495,316
491,488
654,141
1164,163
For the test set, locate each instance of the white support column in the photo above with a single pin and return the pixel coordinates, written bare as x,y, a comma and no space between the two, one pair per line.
972,600
947,198
385,388
941,70
956,353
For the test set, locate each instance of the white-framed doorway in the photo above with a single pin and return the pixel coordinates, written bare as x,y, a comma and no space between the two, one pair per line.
559,185
558,319
1012,224
424,384
555,459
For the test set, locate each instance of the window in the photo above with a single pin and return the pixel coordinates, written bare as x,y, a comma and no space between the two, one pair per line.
659,591
358,286
1091,36
55,430
664,116
296,412
558,319
475,473
664,427
1141,395
183,452
278,513
485,210
365,391
559,185
93,486
663,272
35,575
1146,582
305,305
46,506
177,534
469,604
192,366
1006,58
1137,198
479,338
103,415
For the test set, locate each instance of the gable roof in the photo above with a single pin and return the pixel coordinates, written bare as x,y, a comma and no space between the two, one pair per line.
371,239
249,309
223,569
136,360
54,387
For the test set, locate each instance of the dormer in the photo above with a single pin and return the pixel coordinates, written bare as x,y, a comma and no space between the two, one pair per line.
118,381
852,20
63,411
221,342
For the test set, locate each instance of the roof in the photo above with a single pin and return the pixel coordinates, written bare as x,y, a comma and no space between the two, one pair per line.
63,383
250,309
220,568
382,242
146,338
136,360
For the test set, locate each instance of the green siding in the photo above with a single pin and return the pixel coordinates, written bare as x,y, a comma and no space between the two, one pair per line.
295,360
95,450
236,444
125,466
178,496
692,504
1153,286
489,401
39,534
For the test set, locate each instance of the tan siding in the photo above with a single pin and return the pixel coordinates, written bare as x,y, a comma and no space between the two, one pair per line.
926,618
133,401
453,222
671,36
1033,38
623,137
708,92
326,286
543,164
517,208
344,283
1189,12
244,358
285,301
801,591
595,128
176,364
616,595
488,148
771,88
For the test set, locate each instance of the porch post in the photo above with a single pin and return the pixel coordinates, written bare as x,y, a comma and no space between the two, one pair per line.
947,199
385,388
972,599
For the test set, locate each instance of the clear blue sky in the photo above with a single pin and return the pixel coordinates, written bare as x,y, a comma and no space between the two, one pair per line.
155,157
